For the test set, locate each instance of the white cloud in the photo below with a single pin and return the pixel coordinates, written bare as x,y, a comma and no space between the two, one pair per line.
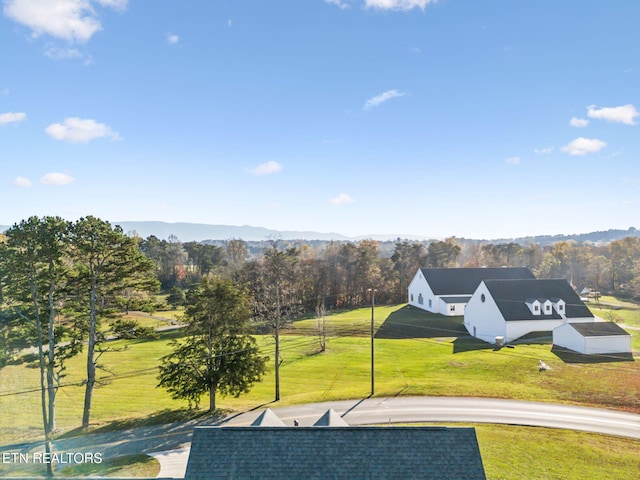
543,151
383,97
230,23
268,168
341,199
513,161
22,182
172,39
71,20
57,53
55,178
338,3
11,117
579,122
115,4
624,114
582,146
397,4
79,130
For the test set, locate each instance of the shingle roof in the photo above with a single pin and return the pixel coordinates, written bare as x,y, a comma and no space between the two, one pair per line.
464,299
511,297
294,453
330,419
464,281
599,329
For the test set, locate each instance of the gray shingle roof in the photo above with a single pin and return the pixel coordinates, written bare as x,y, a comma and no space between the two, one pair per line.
464,281
464,299
511,297
599,329
353,453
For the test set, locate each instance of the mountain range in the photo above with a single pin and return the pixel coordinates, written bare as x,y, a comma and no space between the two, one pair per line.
198,232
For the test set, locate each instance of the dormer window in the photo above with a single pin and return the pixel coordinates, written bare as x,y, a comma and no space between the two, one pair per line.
558,305
534,305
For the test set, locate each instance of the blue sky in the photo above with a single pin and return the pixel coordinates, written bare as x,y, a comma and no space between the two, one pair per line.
466,118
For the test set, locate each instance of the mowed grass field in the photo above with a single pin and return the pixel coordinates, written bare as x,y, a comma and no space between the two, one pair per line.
416,354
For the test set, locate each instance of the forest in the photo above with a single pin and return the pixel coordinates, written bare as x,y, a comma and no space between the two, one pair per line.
338,274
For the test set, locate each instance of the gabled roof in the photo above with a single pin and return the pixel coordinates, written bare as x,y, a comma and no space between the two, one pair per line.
294,453
330,419
268,419
511,297
599,329
464,281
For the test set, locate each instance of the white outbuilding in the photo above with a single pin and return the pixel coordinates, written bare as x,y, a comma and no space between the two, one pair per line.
447,290
595,338
504,310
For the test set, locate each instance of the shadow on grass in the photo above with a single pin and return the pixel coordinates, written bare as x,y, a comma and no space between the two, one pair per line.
412,322
470,344
569,356
162,417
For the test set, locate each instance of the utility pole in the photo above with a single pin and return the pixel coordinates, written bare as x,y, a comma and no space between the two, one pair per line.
373,375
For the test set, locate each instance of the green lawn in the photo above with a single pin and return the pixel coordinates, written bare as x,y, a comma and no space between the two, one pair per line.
510,452
424,363
129,466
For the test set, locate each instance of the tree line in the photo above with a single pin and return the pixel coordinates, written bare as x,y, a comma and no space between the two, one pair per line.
89,272
337,274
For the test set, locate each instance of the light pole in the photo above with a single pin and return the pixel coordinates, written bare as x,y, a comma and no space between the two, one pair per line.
373,375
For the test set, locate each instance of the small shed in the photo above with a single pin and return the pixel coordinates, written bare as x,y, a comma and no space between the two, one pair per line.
594,338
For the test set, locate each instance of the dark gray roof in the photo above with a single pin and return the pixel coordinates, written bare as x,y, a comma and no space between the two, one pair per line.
511,297
599,329
464,281
464,299
295,453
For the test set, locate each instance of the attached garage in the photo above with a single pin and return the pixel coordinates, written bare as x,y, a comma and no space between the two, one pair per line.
593,338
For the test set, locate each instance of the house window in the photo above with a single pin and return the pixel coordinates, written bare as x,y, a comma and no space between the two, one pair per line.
412,297
452,308
560,307
429,303
420,299
536,308
547,309
482,298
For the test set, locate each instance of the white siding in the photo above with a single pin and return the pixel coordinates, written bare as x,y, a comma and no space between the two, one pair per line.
483,320
419,289
567,337
612,344
519,328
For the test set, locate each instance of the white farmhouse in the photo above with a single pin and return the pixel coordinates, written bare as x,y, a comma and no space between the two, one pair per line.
447,290
510,309
592,338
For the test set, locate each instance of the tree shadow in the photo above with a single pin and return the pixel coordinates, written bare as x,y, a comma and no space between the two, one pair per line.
411,322
569,356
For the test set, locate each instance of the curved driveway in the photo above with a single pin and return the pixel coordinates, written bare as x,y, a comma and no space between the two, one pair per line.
434,409
455,409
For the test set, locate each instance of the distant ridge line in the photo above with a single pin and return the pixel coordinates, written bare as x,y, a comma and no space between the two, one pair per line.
187,232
